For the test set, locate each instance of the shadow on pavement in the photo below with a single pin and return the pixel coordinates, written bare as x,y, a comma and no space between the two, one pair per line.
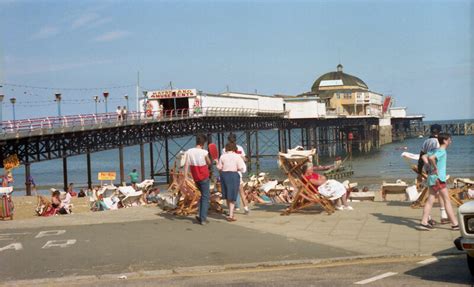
442,271
410,222
280,208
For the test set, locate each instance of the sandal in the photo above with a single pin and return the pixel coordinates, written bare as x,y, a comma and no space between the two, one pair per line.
455,227
230,219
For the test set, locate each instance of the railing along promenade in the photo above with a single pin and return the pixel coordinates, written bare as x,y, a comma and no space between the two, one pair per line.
61,124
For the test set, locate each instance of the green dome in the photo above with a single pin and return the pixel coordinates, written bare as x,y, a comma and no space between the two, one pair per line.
338,78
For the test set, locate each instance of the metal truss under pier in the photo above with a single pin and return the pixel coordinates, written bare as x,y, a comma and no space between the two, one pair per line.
41,145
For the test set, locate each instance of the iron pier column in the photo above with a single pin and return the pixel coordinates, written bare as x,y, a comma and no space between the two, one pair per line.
142,161
167,163
279,140
122,172
257,163
89,172
152,167
249,149
65,172
219,147
27,179
289,140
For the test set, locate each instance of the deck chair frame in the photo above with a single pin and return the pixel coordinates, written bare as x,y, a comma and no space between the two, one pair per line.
307,194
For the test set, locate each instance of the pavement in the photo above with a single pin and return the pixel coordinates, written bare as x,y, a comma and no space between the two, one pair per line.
145,240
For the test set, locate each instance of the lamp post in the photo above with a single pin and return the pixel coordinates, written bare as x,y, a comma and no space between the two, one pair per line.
106,95
1,113
126,98
96,100
13,101
58,100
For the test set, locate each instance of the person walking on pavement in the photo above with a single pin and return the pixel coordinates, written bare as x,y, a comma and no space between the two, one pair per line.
430,145
197,161
437,183
241,195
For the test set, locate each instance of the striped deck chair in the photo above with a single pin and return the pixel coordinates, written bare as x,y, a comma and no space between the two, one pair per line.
307,194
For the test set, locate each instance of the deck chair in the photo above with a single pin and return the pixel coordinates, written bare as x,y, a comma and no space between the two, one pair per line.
398,187
187,193
307,194
461,191
129,196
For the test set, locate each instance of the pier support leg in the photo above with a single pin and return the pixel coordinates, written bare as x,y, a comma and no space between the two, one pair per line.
142,161
167,161
89,171
249,150
65,173
27,179
220,143
257,161
152,163
122,171
289,139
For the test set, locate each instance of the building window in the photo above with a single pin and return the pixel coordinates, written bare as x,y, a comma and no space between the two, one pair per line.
337,95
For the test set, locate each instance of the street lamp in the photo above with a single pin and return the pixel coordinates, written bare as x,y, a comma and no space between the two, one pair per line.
106,95
96,99
13,101
126,98
58,100
1,113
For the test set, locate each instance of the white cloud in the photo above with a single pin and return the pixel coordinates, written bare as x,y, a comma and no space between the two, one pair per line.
46,32
22,66
84,20
111,36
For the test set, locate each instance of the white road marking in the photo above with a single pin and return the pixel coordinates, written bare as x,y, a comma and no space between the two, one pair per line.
6,236
428,261
15,246
50,233
388,274
59,243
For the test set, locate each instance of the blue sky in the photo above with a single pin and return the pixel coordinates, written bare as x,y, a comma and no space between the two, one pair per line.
418,51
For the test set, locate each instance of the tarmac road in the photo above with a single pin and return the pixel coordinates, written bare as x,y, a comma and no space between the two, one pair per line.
46,252
411,271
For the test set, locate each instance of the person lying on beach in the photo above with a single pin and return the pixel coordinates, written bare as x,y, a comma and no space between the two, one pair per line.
330,188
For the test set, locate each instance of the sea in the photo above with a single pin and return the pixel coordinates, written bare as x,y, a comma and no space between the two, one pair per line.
370,169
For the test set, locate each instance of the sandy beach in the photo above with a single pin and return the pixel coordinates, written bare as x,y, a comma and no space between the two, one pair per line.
25,206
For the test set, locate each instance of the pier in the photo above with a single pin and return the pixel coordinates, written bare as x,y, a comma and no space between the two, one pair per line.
42,139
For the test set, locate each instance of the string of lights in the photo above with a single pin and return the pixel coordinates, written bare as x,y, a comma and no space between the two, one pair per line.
67,89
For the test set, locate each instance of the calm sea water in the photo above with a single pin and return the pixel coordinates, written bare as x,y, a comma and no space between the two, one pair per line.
384,164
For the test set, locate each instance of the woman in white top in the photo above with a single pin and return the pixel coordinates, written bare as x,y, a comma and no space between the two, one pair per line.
229,165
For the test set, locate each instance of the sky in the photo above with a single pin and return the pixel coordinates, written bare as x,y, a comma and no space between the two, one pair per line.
419,52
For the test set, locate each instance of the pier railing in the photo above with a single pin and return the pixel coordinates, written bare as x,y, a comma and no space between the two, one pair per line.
113,119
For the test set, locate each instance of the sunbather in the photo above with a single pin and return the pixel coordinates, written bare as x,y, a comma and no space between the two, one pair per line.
329,188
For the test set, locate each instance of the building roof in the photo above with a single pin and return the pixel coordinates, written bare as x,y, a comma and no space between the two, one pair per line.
336,79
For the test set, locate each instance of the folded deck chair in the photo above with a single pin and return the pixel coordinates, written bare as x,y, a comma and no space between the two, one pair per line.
307,194
462,191
145,185
188,195
129,196
398,187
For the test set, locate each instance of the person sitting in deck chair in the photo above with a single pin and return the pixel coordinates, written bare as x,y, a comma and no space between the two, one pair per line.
330,188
